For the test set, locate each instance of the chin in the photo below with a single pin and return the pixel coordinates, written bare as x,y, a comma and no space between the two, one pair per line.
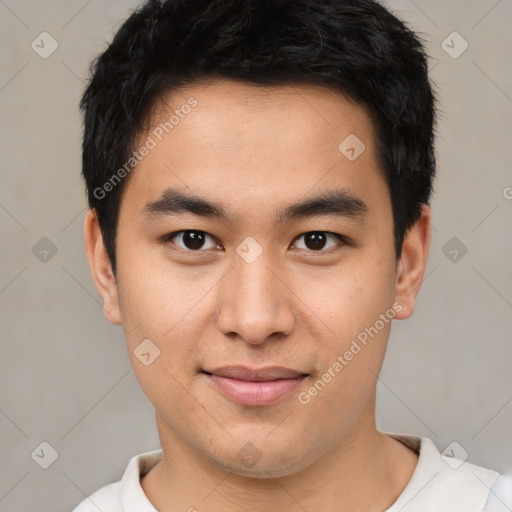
269,462
262,470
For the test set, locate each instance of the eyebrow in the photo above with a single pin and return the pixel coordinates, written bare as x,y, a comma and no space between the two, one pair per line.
336,203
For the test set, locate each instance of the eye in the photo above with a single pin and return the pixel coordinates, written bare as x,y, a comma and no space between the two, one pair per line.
319,240
191,240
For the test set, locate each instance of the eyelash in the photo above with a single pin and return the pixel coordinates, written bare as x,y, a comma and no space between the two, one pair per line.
342,241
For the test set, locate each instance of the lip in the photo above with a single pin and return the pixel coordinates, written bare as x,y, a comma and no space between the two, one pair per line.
255,387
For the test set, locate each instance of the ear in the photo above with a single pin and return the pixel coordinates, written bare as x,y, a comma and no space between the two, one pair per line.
412,263
101,268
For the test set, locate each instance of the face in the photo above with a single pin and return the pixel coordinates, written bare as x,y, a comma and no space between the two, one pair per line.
281,255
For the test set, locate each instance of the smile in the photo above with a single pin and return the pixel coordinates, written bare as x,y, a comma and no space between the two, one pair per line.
236,383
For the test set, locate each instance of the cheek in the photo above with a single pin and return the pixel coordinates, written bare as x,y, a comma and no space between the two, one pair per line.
357,313
349,297
152,295
350,303
160,314
167,304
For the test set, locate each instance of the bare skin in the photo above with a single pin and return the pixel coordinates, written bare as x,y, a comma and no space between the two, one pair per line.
256,151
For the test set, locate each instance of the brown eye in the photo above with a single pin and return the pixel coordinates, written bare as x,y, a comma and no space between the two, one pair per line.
319,240
191,240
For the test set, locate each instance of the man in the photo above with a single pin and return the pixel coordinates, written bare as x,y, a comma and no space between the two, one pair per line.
259,175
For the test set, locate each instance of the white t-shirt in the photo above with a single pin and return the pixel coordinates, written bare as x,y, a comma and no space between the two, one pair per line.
439,484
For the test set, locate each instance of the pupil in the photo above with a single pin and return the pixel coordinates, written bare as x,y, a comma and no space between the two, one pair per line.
315,240
193,239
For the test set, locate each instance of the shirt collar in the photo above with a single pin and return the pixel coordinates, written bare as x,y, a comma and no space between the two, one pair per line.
133,498
441,483
437,484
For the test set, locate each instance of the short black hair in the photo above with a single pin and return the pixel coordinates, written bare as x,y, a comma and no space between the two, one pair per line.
357,47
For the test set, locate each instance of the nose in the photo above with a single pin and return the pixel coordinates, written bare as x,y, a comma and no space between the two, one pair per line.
256,302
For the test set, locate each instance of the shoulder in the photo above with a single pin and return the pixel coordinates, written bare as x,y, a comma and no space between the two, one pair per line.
125,493
107,498
445,481
500,495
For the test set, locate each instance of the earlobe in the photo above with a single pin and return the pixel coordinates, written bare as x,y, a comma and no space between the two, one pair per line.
412,263
101,268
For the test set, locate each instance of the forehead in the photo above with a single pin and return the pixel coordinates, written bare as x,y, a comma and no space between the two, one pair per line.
234,109
250,146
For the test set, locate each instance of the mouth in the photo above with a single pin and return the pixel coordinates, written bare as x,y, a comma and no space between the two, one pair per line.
255,387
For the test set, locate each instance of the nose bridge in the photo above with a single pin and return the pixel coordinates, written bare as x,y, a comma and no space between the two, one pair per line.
255,303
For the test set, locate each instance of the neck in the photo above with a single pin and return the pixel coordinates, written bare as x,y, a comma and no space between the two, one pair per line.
366,471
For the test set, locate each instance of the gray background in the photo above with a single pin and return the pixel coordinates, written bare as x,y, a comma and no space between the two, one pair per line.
65,374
